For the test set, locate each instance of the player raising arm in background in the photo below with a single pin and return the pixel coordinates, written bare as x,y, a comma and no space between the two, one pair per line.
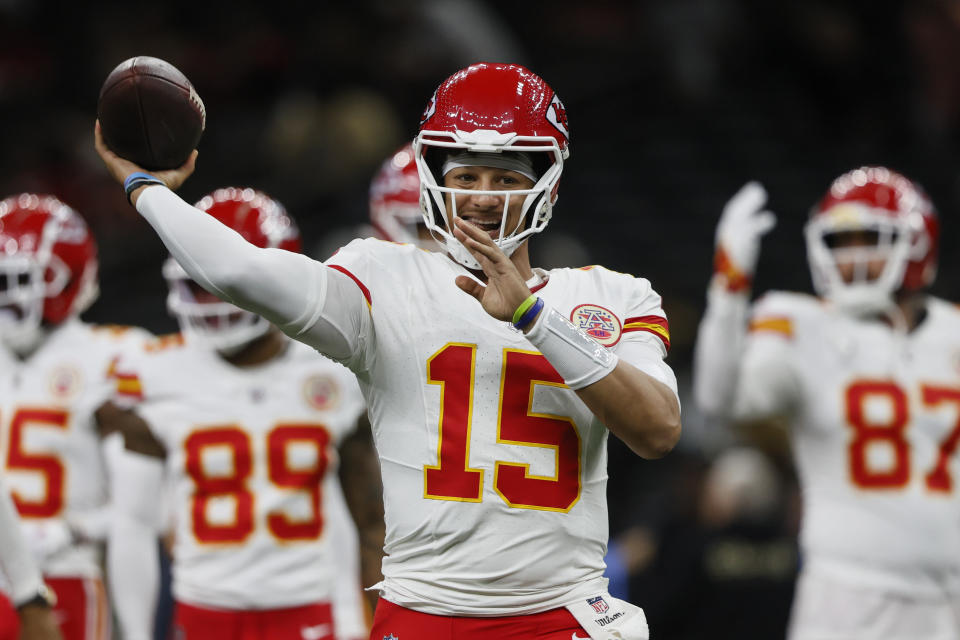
867,375
243,425
491,437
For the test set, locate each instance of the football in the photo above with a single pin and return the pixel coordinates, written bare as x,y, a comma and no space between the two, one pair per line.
150,113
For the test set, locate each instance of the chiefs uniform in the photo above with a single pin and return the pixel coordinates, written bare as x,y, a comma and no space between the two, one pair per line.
53,461
251,454
868,376
474,427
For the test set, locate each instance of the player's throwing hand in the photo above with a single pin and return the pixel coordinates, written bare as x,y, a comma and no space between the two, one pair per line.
121,168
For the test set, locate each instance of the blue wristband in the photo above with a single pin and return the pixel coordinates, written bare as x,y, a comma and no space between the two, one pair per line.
136,180
530,314
137,174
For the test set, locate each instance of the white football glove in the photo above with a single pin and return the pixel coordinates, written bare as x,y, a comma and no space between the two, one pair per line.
743,222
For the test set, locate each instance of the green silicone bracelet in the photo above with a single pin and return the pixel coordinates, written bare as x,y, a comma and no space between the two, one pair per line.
522,309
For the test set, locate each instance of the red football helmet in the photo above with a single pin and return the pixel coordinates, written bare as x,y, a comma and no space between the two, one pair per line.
889,208
395,198
502,111
203,318
48,267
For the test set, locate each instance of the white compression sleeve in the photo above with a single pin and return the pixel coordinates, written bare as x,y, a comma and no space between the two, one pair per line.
288,289
133,562
718,351
15,557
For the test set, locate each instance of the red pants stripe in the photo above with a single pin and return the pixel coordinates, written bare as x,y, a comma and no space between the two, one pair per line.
9,622
309,622
398,623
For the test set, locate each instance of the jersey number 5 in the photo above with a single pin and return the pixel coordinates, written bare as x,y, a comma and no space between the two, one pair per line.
213,489
453,368
890,433
46,465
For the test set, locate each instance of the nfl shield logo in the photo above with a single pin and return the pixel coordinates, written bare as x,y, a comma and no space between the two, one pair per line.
390,637
599,605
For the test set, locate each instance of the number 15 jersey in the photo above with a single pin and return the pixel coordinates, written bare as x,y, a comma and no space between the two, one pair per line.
494,471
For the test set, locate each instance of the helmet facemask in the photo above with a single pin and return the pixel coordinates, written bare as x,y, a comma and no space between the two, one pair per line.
896,241
538,201
217,325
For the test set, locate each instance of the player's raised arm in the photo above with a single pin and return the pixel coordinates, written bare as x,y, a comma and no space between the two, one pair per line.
722,332
286,288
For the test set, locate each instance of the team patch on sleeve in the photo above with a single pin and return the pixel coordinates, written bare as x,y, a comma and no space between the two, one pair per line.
657,325
597,322
775,324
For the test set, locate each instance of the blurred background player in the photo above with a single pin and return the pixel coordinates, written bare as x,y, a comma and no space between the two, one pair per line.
868,375
492,438
27,615
248,423
55,371
395,212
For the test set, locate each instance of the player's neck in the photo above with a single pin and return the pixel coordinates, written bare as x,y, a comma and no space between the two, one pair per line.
258,351
907,312
913,308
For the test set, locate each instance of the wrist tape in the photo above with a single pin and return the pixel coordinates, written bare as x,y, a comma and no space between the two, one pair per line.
579,359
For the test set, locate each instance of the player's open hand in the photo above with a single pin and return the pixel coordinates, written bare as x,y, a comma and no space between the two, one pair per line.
120,168
505,289
743,222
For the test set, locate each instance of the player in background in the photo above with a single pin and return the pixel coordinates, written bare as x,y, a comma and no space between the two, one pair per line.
54,373
491,385
243,425
395,212
868,376
27,616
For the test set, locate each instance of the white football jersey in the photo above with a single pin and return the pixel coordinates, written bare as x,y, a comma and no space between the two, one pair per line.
494,471
50,447
251,455
876,424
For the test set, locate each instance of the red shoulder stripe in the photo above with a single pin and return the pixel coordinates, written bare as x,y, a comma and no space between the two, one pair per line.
363,287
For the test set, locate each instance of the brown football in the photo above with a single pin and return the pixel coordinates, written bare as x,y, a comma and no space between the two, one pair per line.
150,113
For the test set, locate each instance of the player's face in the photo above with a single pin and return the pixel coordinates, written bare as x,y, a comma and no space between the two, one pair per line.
484,209
853,239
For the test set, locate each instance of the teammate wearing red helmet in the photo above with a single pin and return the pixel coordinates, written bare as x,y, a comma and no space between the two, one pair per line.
395,212
55,371
243,425
491,385
867,376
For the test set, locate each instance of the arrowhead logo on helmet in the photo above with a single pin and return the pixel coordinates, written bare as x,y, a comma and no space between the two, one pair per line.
557,116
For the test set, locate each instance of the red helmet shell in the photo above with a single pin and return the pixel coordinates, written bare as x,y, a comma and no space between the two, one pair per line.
261,220
889,192
395,196
506,98
42,228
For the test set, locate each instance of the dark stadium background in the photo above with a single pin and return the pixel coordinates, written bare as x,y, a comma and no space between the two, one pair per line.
673,104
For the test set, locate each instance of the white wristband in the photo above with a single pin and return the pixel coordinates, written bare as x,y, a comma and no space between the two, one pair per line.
577,357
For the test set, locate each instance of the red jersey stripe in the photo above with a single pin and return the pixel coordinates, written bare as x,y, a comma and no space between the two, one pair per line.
363,287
